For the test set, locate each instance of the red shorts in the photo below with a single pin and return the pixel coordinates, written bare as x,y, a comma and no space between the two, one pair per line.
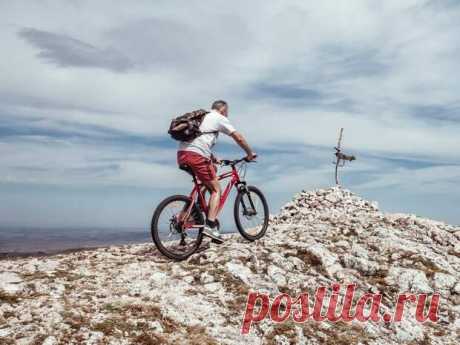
202,167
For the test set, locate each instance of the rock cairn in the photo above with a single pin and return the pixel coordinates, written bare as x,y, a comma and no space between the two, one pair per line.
325,205
132,295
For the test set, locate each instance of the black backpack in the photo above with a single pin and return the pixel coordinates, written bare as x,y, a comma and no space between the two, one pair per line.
187,127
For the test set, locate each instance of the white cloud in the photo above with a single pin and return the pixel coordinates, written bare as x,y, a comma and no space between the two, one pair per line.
328,47
39,160
364,65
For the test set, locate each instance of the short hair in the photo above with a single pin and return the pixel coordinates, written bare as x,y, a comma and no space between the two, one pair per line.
218,104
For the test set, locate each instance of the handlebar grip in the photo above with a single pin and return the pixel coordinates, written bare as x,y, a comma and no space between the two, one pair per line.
248,161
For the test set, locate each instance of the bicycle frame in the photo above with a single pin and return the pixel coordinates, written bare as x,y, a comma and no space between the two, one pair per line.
197,191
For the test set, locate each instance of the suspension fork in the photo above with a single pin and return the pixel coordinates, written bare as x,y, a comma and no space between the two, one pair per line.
242,188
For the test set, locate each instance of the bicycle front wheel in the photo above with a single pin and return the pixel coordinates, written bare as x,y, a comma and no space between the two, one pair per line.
251,213
177,237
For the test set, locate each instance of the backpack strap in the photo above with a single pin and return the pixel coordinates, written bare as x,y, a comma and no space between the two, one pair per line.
210,132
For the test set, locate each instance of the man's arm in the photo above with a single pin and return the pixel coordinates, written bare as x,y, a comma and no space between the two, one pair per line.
239,139
214,159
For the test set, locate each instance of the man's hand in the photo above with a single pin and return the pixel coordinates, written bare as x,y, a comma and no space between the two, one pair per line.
250,157
215,160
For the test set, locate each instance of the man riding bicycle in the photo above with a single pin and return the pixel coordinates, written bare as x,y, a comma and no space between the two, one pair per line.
197,155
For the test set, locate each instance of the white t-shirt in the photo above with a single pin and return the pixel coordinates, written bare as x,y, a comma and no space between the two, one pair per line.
203,144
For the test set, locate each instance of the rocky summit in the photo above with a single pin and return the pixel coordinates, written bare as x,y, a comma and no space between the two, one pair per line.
133,295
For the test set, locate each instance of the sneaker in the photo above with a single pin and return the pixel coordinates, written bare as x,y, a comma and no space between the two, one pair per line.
214,234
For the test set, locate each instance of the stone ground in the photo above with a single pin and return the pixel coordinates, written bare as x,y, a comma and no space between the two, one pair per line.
133,295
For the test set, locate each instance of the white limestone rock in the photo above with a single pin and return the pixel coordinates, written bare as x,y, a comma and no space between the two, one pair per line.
329,261
11,282
206,278
409,280
50,341
456,289
277,275
443,281
240,271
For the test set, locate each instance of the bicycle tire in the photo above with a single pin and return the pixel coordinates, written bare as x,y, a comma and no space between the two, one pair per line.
236,213
155,231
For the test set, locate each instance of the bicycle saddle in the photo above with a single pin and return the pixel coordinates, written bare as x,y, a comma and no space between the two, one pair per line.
186,168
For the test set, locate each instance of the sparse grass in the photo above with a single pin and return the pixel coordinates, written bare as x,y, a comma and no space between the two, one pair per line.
144,311
75,321
230,282
334,237
35,276
194,259
142,334
8,314
428,267
374,247
169,325
111,307
286,329
341,333
237,305
264,262
7,341
9,298
199,336
150,339
152,312
439,331
425,341
378,278
288,290
16,298
352,231
112,326
234,286
419,262
74,277
308,257
39,339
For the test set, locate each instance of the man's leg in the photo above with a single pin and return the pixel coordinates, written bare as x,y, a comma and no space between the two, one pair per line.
214,200
211,229
205,171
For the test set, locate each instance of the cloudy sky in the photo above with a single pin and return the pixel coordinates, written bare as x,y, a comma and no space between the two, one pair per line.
87,90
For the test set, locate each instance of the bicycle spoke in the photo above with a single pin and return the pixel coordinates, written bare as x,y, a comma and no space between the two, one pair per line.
252,214
171,235
259,218
256,203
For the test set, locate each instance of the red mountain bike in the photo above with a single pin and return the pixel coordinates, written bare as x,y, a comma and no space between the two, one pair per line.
178,220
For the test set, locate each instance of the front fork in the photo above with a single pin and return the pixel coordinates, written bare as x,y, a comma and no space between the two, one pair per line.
251,210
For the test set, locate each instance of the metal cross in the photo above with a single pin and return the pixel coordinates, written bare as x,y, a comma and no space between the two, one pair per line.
341,158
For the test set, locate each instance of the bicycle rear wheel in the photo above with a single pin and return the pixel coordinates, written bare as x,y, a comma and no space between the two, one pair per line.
173,240
251,213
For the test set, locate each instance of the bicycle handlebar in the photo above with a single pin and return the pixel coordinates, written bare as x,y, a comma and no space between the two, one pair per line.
225,162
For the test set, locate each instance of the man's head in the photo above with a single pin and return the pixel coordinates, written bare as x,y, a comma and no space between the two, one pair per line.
221,107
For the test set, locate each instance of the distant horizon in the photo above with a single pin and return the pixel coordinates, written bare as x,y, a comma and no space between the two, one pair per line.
31,240
227,224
